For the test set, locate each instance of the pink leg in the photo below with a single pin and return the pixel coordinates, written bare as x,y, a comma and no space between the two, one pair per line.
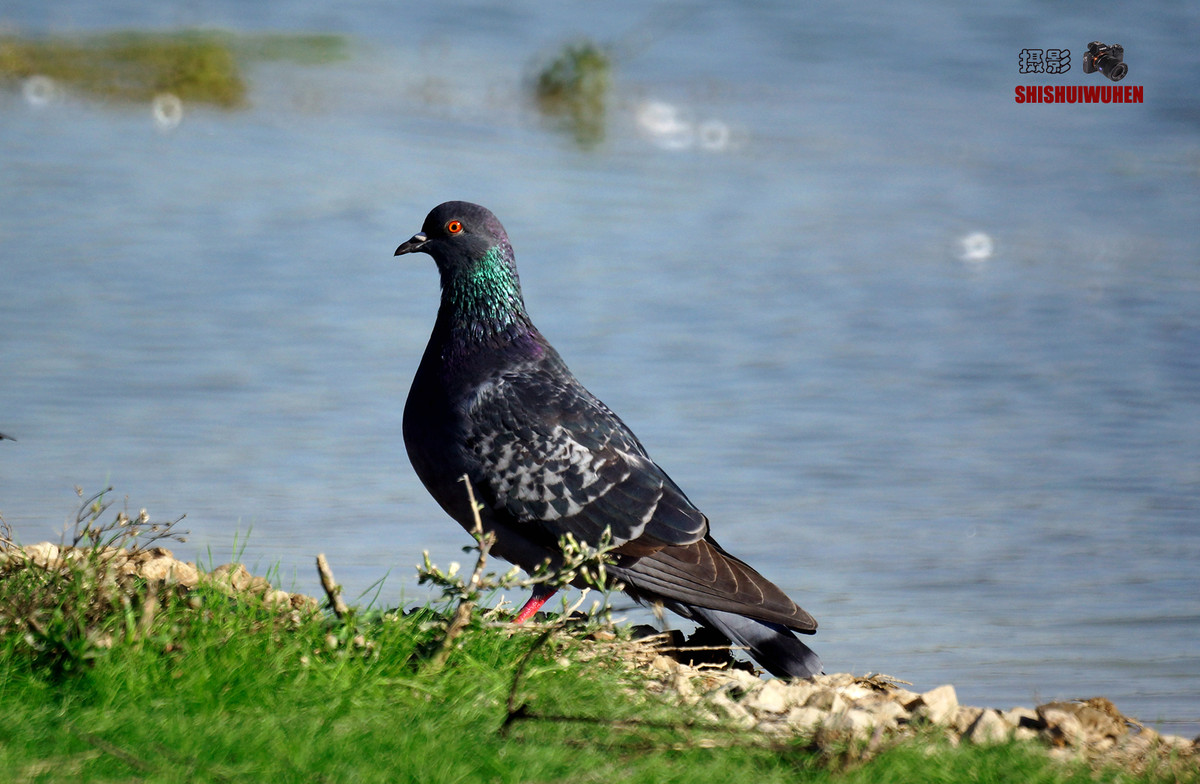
541,594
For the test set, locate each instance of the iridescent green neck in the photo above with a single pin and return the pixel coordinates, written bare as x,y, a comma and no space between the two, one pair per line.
484,298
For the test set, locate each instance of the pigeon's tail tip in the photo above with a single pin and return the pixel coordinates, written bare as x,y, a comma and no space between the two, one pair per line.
773,646
799,662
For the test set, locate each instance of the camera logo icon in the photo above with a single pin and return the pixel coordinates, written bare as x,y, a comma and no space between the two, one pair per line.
1108,60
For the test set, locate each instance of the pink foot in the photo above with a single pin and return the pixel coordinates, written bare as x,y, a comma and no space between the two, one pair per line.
541,594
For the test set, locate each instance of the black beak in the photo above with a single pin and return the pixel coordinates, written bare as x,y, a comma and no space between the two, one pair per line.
414,244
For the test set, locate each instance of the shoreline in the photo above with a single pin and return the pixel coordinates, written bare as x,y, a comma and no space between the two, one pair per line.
874,711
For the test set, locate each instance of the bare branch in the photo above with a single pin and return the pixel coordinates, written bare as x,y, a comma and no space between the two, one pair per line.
332,589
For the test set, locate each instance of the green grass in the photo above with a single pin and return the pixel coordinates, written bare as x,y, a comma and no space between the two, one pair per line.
107,677
217,689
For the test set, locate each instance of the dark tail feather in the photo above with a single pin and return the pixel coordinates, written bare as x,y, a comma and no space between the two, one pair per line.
771,645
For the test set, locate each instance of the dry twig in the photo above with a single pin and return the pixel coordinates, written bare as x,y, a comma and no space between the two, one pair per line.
462,613
332,589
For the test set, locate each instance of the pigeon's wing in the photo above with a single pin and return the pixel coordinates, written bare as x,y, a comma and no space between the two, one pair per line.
553,457
705,575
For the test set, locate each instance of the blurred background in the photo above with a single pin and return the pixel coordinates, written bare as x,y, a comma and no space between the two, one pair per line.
928,358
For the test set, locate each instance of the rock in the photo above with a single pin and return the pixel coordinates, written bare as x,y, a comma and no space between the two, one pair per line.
683,687
1066,755
258,586
1097,719
964,717
230,576
798,692
167,569
740,716
304,603
277,598
855,691
156,569
887,713
1022,717
805,718
664,664
937,706
1176,743
773,727
854,721
44,554
742,681
826,700
1061,728
989,727
772,697
1137,744
829,710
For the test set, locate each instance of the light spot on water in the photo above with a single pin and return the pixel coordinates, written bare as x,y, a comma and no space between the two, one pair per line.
167,109
668,126
40,90
976,248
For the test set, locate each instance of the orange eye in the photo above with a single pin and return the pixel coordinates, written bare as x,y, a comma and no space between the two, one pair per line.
453,227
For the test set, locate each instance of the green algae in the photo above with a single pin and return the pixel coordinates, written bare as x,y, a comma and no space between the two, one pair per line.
572,90
201,66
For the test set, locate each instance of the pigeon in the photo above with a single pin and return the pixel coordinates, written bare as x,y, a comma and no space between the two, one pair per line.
493,401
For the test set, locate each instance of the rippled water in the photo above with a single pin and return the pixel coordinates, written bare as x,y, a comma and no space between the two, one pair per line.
973,465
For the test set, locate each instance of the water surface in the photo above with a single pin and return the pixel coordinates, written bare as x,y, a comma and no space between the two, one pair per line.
980,471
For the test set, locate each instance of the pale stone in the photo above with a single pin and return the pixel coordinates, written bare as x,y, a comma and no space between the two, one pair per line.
855,691
1022,717
888,713
990,727
156,569
855,721
741,717
169,570
664,664
1064,754
1062,727
937,706
277,598
302,602
805,718
772,727
187,574
43,553
1176,742
964,717
683,687
259,586
744,680
798,692
230,575
1140,743
826,700
771,698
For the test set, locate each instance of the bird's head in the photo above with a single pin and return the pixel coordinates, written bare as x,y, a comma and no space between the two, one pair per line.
480,286
458,234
